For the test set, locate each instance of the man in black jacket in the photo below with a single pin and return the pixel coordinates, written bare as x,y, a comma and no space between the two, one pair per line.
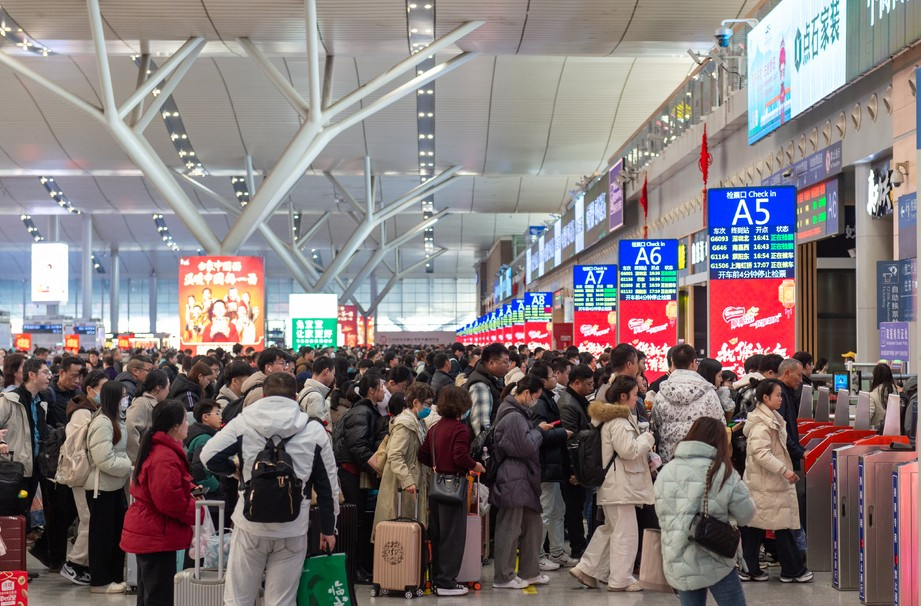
790,374
356,437
554,470
573,405
442,375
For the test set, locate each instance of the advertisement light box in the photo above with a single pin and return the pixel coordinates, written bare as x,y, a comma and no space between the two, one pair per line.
594,307
314,320
49,272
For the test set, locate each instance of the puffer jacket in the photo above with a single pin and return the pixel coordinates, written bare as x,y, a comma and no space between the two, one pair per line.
766,461
137,419
163,512
131,384
186,391
679,490
517,445
554,460
629,481
108,462
683,398
358,434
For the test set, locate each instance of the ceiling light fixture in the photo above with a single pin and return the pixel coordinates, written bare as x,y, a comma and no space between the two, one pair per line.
163,230
30,226
57,195
241,190
12,31
97,265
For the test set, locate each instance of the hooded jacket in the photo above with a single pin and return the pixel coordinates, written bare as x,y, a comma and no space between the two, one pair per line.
554,460
163,512
402,470
628,481
225,396
195,440
131,385
517,444
186,391
252,387
312,400
357,435
108,462
309,448
745,387
679,489
682,399
766,460
137,419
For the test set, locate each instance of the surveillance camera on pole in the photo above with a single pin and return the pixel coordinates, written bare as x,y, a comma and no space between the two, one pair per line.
723,37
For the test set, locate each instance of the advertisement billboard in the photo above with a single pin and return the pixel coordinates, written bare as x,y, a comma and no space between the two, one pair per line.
615,197
797,55
538,319
49,272
348,325
752,246
313,320
596,211
221,302
518,332
648,300
594,299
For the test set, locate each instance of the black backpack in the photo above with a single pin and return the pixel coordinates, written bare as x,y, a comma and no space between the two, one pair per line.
585,457
236,407
50,452
273,493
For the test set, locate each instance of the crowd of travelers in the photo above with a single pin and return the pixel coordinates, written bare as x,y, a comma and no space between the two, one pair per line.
365,426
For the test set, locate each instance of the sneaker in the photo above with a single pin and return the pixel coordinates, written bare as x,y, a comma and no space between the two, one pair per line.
515,583
632,587
583,578
760,577
77,578
803,578
455,590
110,588
546,565
565,561
540,579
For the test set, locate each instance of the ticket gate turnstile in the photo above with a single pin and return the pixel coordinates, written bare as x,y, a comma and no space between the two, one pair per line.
845,509
817,469
876,523
805,403
905,534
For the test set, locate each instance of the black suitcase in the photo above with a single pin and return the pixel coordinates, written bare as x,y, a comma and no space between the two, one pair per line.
346,539
11,474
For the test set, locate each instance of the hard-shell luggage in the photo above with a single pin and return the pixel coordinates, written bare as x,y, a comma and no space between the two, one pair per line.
200,587
11,474
471,570
13,533
346,536
399,556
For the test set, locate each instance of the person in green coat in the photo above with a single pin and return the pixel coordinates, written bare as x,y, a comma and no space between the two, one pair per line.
207,414
701,460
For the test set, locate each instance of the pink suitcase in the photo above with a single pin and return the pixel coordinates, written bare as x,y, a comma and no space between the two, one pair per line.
471,570
400,556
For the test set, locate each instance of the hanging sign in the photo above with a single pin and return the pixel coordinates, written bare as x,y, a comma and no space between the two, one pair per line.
538,319
594,302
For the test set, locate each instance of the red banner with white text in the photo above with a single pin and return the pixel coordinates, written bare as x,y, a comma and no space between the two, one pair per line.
594,331
651,327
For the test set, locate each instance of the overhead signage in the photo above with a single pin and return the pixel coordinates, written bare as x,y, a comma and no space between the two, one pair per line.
579,207
313,320
796,56
221,301
85,329
812,169
908,226
503,285
596,211
877,30
615,197
370,334
124,342
894,341
817,215
348,325
558,243
896,291
700,252
538,315
508,324
568,234
594,295
648,299
518,321
43,329
50,267
22,342
752,291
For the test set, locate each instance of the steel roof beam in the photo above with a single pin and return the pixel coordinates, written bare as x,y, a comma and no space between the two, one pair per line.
400,275
190,49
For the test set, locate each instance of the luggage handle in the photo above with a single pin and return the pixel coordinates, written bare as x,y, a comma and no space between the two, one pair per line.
400,503
203,505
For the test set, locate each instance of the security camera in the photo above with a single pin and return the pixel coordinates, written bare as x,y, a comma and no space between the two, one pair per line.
787,173
723,36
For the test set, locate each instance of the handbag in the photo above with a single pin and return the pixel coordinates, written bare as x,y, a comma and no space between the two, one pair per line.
324,581
446,487
722,538
652,568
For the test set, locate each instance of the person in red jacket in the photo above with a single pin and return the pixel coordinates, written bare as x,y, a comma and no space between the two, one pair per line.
159,522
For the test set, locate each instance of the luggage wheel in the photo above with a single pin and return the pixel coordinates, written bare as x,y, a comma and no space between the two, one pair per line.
376,591
131,590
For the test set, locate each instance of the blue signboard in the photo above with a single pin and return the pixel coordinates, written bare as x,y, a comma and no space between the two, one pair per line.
594,287
896,291
55,329
538,306
908,226
84,329
752,232
894,340
648,270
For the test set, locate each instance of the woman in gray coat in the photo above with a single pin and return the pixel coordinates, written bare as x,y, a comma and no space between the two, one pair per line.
516,492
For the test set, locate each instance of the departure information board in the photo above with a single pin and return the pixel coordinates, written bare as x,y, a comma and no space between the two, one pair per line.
594,287
518,321
538,316
752,235
817,214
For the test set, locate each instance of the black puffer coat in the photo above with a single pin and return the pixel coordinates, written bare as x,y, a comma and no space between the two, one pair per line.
554,464
357,434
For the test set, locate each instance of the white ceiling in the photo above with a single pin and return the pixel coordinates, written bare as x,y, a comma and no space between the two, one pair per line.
560,87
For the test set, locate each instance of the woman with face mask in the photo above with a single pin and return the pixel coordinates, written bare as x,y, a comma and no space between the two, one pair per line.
401,467
79,413
153,390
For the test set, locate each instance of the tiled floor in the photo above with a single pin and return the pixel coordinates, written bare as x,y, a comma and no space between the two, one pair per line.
51,588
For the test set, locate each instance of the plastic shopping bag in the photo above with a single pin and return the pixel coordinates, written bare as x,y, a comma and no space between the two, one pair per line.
211,549
324,582
199,547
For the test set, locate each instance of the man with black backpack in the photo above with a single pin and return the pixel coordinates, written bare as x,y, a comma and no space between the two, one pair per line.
280,454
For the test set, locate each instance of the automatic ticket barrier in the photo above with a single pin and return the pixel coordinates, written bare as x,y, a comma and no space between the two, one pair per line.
875,508
818,474
905,534
845,498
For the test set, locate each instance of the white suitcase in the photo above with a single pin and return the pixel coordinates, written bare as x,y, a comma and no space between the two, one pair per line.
202,587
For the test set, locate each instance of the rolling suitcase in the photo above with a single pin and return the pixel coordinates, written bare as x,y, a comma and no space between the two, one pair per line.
346,536
399,555
13,533
471,570
201,587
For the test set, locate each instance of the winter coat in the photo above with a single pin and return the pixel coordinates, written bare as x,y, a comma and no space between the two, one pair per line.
440,379
514,375
245,437
163,512
628,481
573,411
59,398
357,435
403,469
137,420
195,440
109,462
766,461
879,398
517,444
131,385
789,411
186,391
682,399
554,460
679,489
252,387
225,396
312,400
15,417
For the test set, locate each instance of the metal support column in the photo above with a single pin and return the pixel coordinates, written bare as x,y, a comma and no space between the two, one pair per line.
114,292
86,267
152,302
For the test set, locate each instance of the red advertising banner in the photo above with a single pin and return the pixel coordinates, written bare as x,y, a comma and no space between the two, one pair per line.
360,322
562,335
594,330
752,317
539,334
519,334
651,327
369,335
72,343
22,342
124,342
348,325
221,301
